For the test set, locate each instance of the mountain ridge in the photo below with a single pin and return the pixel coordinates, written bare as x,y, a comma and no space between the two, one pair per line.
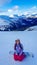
17,22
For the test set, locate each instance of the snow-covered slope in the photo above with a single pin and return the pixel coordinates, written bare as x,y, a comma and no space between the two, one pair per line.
3,22
29,41
33,28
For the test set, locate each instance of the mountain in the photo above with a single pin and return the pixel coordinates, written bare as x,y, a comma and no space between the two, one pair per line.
33,28
19,23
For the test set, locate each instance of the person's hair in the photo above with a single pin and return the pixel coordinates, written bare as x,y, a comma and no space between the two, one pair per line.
16,44
17,40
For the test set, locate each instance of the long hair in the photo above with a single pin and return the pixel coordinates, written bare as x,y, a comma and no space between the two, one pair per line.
19,44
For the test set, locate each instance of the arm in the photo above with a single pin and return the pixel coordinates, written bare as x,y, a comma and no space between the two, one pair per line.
21,49
15,49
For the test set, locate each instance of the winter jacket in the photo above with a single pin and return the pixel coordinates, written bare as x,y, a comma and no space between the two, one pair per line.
18,48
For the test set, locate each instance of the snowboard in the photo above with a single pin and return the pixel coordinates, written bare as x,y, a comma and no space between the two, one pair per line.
28,54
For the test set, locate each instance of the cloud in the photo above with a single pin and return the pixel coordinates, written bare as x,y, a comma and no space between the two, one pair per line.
32,10
16,10
11,12
2,2
13,9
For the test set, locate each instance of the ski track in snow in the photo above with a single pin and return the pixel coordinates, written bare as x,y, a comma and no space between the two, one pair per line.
29,41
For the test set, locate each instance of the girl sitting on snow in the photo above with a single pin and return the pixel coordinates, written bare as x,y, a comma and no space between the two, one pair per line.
18,54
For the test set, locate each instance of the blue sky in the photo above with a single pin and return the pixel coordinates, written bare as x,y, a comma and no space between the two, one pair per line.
22,5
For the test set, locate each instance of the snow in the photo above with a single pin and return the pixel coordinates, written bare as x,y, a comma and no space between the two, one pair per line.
2,22
29,41
33,28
